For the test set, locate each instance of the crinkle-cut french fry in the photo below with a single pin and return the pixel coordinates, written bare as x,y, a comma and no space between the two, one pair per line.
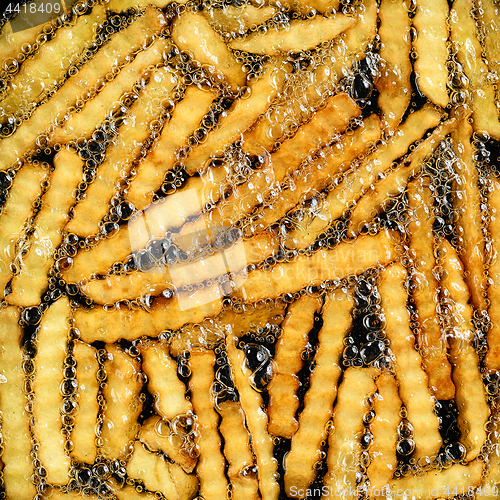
491,28
435,484
131,492
90,75
211,464
491,481
344,440
346,259
127,323
384,429
26,188
239,19
297,36
123,5
238,451
40,75
431,340
463,33
163,382
467,204
96,110
473,410
187,115
492,360
395,181
120,156
32,279
123,402
192,32
305,449
68,495
157,435
243,114
251,402
83,434
282,390
394,82
411,377
51,351
16,438
431,45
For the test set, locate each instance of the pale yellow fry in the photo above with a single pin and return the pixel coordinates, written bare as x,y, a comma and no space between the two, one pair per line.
192,32
491,481
471,399
306,446
344,440
282,390
238,451
32,279
16,438
244,113
83,434
123,5
123,403
307,6
187,116
40,75
346,259
59,495
210,468
90,75
396,180
163,382
467,204
251,402
96,110
431,340
412,379
431,45
394,82
438,484
299,35
239,19
492,359
26,188
51,351
384,429
491,26
360,35
469,50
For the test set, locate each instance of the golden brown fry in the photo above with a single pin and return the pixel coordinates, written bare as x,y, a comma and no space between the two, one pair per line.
489,23
394,83
239,19
412,379
51,347
83,434
32,279
192,32
306,446
16,438
431,340
473,410
282,390
123,402
210,468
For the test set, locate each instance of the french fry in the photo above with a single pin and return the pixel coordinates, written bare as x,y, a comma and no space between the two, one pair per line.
384,428
210,468
239,19
130,492
431,46
282,390
94,72
306,447
431,341
473,410
16,438
489,484
123,403
344,439
489,23
299,35
394,83
83,434
412,379
192,32
251,402
52,347
123,5
32,279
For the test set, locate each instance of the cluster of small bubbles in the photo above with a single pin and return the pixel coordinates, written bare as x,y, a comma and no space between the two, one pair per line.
405,445
492,383
95,479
